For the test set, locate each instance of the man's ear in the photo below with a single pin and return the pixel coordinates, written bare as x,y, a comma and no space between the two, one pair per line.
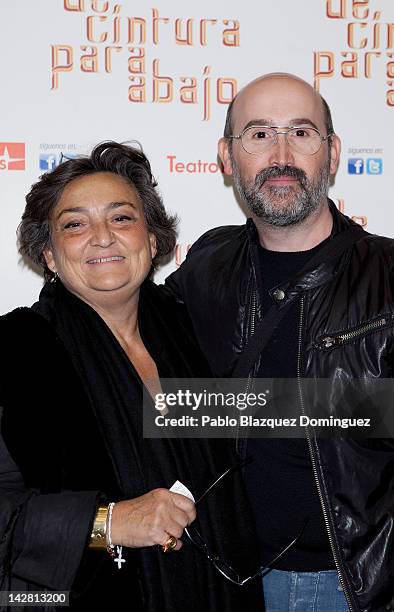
224,155
153,244
49,259
335,153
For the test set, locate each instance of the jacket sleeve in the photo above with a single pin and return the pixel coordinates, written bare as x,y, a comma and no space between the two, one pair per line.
175,282
42,537
205,259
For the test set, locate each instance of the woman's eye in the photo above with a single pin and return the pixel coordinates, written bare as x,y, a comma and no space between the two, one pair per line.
72,224
123,218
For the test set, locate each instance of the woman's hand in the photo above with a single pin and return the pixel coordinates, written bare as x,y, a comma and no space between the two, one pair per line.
151,519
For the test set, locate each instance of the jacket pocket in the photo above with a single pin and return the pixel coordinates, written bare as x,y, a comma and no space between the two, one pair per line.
328,341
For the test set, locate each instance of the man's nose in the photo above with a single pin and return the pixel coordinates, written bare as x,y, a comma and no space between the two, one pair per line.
102,235
281,154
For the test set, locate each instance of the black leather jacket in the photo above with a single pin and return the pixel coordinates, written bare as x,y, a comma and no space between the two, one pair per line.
353,292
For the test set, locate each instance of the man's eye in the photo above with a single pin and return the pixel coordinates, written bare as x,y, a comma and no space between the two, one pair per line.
261,135
302,133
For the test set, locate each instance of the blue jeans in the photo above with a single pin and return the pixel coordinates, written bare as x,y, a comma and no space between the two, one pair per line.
303,592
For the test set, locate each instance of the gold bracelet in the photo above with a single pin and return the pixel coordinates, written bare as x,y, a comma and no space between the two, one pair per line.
98,537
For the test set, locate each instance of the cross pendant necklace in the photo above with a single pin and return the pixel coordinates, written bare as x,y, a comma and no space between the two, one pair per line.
119,560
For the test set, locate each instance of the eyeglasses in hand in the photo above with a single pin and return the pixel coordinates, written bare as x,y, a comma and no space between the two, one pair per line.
222,566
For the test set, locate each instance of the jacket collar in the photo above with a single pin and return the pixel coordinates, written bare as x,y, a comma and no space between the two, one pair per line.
316,277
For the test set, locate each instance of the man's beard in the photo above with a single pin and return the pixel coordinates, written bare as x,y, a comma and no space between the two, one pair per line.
284,205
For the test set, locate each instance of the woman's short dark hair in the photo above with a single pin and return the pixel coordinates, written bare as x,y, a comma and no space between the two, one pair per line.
126,161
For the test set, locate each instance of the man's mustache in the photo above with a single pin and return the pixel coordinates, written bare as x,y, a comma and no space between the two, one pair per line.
277,171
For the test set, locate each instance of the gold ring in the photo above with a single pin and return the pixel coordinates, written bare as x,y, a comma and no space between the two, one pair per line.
170,544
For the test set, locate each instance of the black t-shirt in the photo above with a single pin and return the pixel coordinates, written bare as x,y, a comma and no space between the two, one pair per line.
280,479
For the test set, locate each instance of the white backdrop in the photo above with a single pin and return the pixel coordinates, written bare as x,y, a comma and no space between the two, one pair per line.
75,72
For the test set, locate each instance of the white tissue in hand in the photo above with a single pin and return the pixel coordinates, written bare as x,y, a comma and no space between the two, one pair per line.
180,488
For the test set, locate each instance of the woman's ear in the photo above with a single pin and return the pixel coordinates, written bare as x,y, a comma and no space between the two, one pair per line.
153,244
49,259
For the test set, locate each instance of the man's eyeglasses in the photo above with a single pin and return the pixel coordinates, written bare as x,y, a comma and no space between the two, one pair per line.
257,139
222,566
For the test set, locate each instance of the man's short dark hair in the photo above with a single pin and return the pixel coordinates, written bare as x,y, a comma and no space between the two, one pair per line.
125,161
327,117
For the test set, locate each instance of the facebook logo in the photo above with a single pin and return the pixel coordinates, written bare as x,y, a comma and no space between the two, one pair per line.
48,161
355,165
374,165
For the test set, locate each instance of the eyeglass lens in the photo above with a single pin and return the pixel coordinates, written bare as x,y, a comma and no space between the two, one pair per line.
258,139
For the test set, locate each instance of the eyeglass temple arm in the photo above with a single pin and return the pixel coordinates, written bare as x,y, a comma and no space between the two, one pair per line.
213,485
279,556
228,471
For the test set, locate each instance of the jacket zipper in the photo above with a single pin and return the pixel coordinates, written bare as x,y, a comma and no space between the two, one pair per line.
251,330
337,561
253,309
337,340
248,386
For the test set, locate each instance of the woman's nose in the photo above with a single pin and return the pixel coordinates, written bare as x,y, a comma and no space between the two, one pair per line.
102,235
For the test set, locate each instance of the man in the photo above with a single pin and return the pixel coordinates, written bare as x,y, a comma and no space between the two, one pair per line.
280,147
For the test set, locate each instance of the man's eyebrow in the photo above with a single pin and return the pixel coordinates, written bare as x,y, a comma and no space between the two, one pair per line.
83,209
292,122
303,121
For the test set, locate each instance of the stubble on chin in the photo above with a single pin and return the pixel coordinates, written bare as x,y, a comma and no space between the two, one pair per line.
285,205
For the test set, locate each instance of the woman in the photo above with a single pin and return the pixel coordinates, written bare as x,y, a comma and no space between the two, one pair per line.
76,473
